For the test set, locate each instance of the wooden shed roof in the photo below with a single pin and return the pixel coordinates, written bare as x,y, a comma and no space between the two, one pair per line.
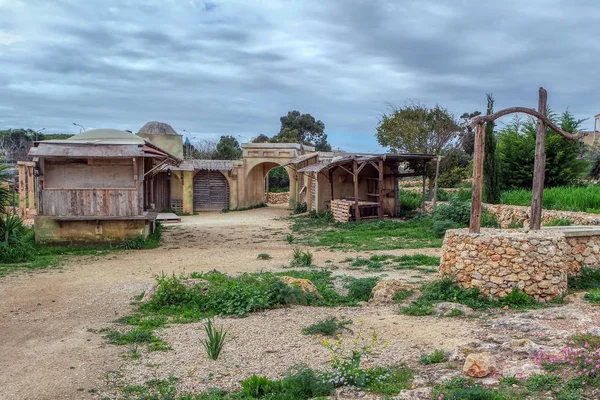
350,158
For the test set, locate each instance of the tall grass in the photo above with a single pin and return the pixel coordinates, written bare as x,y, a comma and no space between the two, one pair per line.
585,199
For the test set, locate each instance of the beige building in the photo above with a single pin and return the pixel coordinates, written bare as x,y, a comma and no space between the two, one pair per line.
593,137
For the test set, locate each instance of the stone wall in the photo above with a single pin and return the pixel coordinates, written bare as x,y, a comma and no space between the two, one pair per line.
495,261
507,214
278,198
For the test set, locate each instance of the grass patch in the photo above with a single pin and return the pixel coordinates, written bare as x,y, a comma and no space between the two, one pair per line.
593,296
259,205
585,198
327,327
301,258
264,256
369,235
434,358
588,278
558,222
402,295
445,291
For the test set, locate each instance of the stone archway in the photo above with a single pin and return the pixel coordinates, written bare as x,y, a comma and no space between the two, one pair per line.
255,181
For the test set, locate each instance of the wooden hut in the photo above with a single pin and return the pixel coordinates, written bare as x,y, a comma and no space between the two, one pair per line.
95,186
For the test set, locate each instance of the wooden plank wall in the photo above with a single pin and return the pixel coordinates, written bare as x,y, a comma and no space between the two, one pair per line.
90,202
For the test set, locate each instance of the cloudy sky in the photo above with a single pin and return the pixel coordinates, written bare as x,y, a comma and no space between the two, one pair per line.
235,66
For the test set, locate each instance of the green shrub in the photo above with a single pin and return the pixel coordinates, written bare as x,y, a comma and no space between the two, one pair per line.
360,289
264,256
300,208
215,339
588,278
456,211
418,308
135,243
402,295
301,258
11,228
259,386
435,358
558,222
453,177
409,200
466,389
16,253
440,227
137,335
593,296
327,327
289,238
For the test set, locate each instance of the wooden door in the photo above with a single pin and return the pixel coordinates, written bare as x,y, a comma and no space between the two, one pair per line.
211,191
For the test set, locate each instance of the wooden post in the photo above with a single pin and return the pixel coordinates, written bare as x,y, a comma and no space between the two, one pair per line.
355,175
396,196
478,156
30,191
22,190
435,182
424,183
380,214
539,167
331,184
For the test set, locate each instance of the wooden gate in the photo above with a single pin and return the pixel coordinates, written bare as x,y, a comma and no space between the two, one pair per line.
211,191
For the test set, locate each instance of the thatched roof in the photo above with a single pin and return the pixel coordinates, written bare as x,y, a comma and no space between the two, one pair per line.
157,128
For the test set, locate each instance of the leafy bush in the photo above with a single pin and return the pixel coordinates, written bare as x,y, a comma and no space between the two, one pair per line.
360,289
440,227
588,278
299,384
456,211
402,295
16,253
300,208
11,228
410,200
301,258
327,327
558,222
215,339
453,177
436,357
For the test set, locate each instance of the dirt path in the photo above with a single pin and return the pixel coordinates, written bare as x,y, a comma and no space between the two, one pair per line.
49,347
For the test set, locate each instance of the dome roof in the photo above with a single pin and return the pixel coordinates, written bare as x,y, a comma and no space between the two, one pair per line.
157,128
106,135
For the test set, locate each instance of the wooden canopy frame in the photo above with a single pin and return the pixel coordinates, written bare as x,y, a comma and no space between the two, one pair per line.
539,163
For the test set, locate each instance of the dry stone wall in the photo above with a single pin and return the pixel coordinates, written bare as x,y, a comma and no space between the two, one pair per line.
495,261
507,215
278,198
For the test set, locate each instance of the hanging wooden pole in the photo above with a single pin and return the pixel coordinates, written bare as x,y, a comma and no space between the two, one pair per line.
380,189
355,175
435,182
478,156
539,167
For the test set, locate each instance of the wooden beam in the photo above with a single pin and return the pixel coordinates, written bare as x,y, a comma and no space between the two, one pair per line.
478,156
539,167
375,165
380,199
30,190
360,168
396,198
347,170
435,182
423,196
22,190
355,175
331,183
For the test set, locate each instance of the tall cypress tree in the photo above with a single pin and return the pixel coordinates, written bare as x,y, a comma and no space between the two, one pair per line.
491,164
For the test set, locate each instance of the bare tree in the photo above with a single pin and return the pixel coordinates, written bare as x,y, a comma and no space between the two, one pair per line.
203,149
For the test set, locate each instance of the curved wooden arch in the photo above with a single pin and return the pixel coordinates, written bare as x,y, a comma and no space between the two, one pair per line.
482,119
539,163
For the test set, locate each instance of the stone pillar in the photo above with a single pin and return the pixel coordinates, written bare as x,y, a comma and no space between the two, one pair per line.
293,186
188,192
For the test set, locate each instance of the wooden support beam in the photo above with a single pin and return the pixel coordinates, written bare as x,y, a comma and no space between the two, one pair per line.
30,191
435,182
347,170
355,175
539,167
331,183
423,196
360,168
375,165
22,190
380,199
396,198
478,156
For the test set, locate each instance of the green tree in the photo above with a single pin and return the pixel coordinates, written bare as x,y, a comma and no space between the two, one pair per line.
279,178
262,138
416,128
516,148
228,148
467,137
304,129
491,163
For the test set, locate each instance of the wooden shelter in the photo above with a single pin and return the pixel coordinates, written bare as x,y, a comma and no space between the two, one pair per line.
96,186
360,186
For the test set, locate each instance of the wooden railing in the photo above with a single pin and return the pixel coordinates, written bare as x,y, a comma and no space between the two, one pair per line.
115,202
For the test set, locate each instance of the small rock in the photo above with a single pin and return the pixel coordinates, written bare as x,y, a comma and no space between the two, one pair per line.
385,290
479,365
304,284
423,393
525,346
446,308
460,353
521,371
488,382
